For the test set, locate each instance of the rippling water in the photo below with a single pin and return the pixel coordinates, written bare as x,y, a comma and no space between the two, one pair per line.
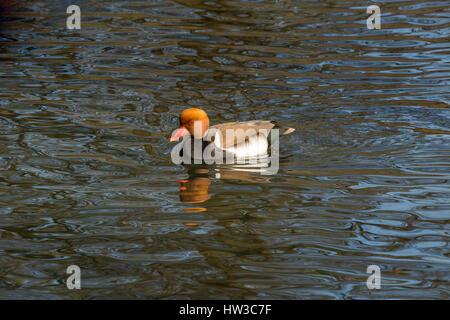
85,170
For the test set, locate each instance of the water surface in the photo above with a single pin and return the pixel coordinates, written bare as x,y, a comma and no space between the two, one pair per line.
85,170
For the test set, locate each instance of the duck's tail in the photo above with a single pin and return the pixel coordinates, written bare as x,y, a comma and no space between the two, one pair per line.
286,130
283,130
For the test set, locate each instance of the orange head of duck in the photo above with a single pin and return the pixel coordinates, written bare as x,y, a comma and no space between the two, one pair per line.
193,121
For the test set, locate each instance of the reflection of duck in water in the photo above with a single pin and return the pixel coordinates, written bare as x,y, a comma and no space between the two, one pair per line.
236,139
195,188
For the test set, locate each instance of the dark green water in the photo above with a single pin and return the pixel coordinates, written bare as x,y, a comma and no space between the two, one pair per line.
85,170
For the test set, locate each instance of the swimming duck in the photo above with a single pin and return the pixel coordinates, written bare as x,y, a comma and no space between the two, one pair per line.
241,139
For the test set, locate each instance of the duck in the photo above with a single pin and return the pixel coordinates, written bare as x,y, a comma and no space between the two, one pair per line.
240,140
